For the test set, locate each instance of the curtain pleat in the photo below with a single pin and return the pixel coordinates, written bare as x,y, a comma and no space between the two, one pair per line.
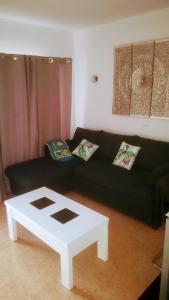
65,98
35,107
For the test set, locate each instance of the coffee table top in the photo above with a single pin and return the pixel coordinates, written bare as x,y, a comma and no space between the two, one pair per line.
58,215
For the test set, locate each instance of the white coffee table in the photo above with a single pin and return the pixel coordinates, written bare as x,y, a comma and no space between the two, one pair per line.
68,239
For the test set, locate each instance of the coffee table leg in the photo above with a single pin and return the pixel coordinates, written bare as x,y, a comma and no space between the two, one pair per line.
11,225
102,243
66,270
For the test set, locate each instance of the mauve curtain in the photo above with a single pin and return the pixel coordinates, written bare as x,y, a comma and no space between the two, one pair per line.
53,96
65,83
35,107
13,115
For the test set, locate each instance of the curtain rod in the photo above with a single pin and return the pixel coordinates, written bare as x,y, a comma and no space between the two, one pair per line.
50,59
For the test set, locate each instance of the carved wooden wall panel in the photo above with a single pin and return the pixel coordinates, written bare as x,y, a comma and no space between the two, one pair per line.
122,81
142,76
160,95
141,79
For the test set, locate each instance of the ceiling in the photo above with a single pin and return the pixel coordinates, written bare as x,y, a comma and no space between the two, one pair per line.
75,14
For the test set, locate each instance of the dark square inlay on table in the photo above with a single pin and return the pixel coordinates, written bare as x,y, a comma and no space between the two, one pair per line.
42,202
65,215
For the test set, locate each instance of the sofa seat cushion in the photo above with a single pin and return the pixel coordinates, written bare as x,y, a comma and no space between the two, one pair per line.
40,171
117,179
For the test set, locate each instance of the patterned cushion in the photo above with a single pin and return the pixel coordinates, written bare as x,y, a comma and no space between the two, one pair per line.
126,156
85,149
59,150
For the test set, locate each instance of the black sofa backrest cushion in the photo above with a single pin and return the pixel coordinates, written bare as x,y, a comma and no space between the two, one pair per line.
47,152
88,134
110,143
152,154
157,173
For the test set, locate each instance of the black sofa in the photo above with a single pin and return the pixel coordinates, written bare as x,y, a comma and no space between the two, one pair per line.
141,192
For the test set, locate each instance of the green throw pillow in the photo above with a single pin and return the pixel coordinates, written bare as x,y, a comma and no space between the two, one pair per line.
126,156
85,149
59,150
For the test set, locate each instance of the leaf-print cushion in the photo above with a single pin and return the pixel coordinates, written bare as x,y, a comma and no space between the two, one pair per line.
85,149
126,155
59,150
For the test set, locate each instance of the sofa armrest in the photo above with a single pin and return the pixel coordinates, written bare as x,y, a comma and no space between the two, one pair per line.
163,185
158,173
46,151
160,200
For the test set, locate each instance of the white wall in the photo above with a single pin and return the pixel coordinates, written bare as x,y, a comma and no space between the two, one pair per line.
22,38
94,54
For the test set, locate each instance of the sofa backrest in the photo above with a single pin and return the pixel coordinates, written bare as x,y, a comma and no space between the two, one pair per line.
152,154
109,143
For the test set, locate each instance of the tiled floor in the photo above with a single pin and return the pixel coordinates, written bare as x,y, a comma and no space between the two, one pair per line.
31,270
